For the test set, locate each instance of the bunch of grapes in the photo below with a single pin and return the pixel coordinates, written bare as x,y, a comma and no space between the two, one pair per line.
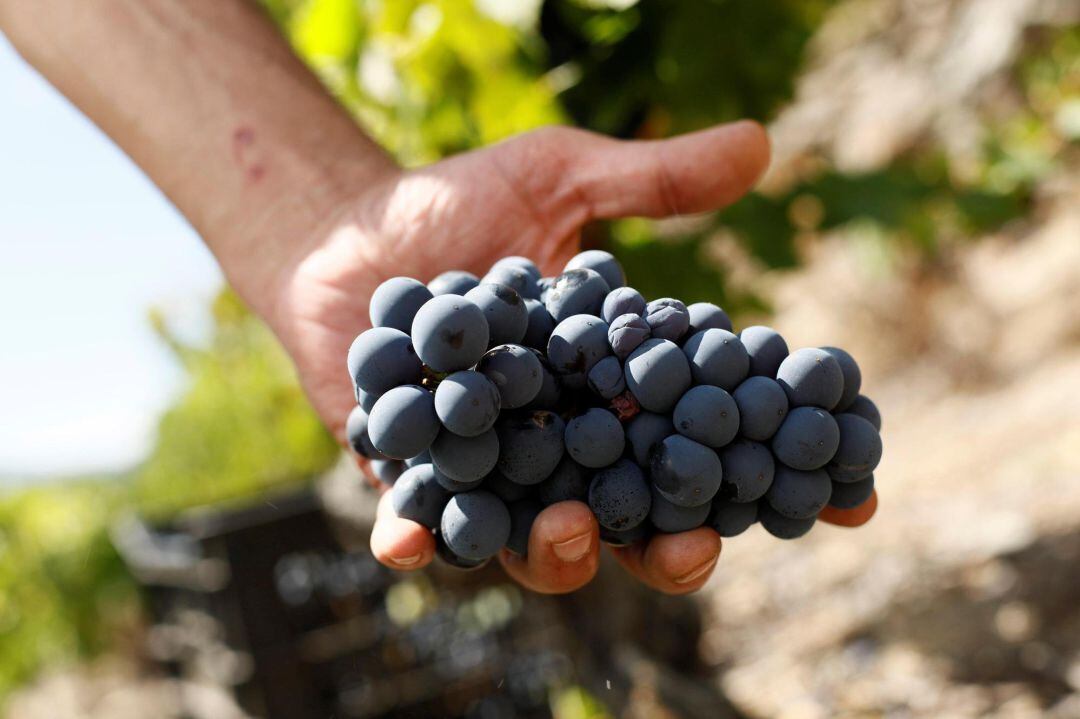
481,401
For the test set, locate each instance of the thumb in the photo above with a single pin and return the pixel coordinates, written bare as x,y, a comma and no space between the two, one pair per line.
691,173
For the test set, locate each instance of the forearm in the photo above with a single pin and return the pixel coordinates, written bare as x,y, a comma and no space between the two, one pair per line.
211,102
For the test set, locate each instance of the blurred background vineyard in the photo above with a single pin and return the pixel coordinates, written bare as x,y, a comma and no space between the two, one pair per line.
922,148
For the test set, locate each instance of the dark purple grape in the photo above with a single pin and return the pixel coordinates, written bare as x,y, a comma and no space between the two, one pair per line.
645,432
577,343
797,494
849,495
387,471
619,496
475,524
626,537
521,262
383,358
780,526
396,301
595,439
550,393
626,334
707,316
454,282
356,431
522,516
606,378
730,519
454,486
807,439
366,400
852,377
668,318
576,292
418,496
717,357
766,348
505,311
569,481
509,492
865,408
465,459
447,555
748,470
422,458
671,518
657,374
515,371
467,403
516,278
686,472
811,377
708,415
622,301
603,263
859,450
530,445
450,333
540,326
763,405
403,422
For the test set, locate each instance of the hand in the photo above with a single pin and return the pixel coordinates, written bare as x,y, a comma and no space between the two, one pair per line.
529,196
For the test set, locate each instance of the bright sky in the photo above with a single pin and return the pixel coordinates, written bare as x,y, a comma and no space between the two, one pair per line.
87,247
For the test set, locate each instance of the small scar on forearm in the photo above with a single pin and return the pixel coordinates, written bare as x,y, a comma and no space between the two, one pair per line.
243,142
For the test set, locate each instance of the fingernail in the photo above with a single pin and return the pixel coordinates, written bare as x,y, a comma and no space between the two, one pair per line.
406,561
574,548
698,572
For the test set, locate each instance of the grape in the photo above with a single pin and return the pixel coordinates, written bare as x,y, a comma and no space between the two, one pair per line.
366,399
396,301
849,495
622,301
387,471
417,496
522,516
811,377
454,486
576,344
807,439
451,333
865,408
797,494
447,555
509,492
516,278
762,406
748,470
604,263
619,496
576,292
606,378
540,325
467,403
731,519
707,316
545,284
657,373
505,310
780,526
356,431
475,524
766,348
454,282
645,432
569,481
515,371
518,261
671,518
403,422
625,537
685,472
595,439
852,377
549,394
465,459
708,415
859,450
667,318
530,445
422,458
626,334
717,357
383,358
